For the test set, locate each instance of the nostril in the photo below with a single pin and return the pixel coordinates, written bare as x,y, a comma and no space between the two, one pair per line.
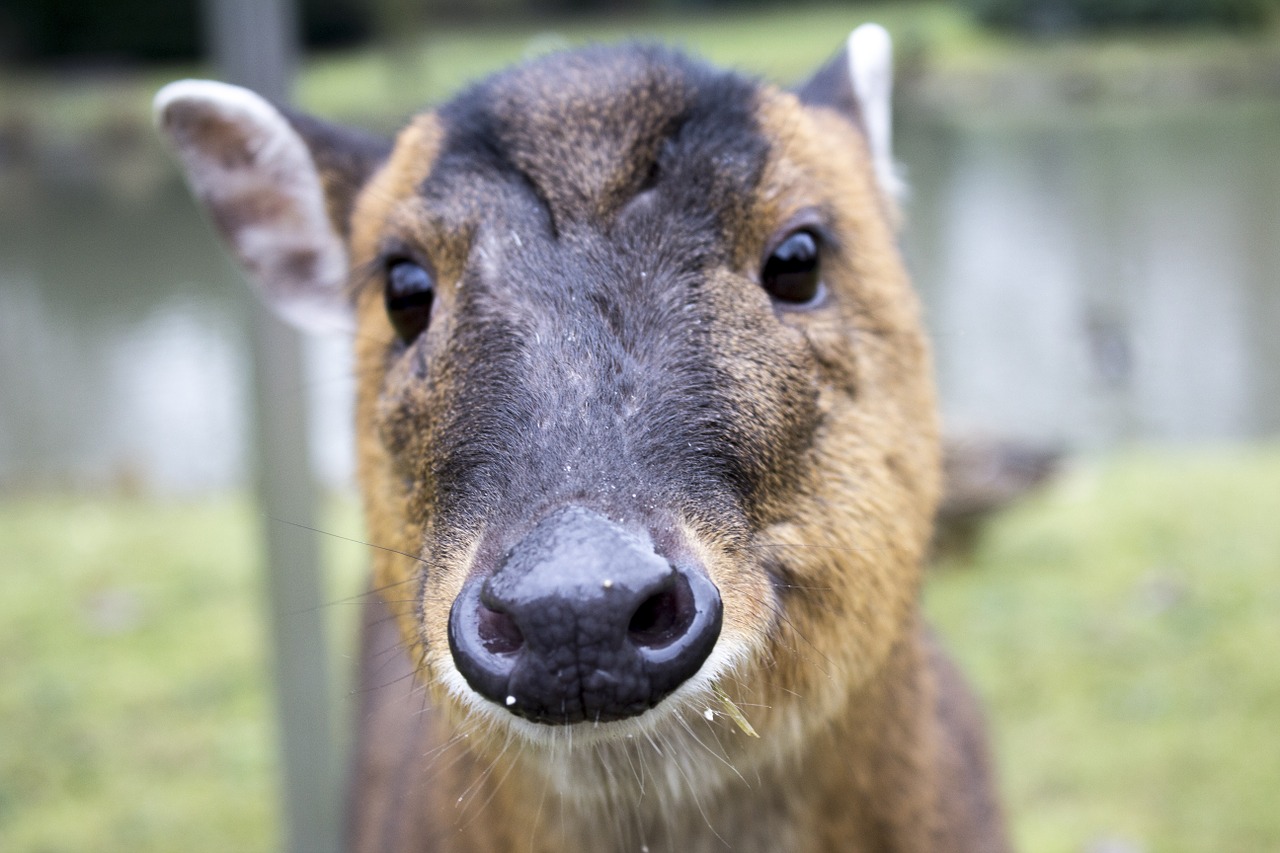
583,620
663,617
653,622
498,632
483,643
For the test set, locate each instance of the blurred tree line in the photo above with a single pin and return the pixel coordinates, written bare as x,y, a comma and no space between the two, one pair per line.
1055,17
41,31
98,31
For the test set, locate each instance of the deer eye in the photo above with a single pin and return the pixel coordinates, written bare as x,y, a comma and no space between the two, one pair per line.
410,289
792,274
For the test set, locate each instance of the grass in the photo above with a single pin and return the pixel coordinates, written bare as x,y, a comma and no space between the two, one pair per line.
1122,627
133,689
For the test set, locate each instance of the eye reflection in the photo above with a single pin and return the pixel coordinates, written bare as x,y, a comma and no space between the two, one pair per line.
792,274
409,292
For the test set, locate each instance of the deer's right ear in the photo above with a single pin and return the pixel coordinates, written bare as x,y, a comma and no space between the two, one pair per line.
858,84
279,187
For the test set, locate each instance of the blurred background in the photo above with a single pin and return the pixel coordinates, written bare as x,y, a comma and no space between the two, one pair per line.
1093,224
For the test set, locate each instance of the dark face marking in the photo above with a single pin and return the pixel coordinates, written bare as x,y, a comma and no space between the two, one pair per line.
601,347
344,158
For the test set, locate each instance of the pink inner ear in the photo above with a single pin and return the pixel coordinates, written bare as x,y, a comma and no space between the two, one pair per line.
256,176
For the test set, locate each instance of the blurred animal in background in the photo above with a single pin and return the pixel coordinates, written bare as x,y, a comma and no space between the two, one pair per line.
648,449
983,474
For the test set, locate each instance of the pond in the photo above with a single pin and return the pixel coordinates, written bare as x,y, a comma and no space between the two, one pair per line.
1096,278
1090,277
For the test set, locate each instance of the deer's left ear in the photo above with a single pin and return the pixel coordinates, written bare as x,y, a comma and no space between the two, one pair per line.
858,83
279,187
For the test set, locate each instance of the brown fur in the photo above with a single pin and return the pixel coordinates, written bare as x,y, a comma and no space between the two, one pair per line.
868,739
856,750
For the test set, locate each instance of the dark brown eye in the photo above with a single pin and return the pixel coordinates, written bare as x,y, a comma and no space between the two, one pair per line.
792,273
409,292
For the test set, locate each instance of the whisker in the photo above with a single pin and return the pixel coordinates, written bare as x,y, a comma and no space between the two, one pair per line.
436,751
717,755
413,557
626,751
537,818
845,548
484,777
697,801
360,691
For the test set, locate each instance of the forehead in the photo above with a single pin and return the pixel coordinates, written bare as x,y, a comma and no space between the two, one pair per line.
582,133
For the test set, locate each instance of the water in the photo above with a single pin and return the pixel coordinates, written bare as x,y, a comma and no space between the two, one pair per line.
1102,278
1090,278
123,350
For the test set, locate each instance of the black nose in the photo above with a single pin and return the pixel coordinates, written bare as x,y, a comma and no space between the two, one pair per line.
583,621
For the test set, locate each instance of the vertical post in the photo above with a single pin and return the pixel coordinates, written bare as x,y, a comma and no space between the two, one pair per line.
254,45
1260,206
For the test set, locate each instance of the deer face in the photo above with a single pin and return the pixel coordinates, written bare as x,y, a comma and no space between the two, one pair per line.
644,413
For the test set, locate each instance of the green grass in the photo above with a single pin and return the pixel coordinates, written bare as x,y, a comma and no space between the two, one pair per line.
1122,627
1124,630
133,689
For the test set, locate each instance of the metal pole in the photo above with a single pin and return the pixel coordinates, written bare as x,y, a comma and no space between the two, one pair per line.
254,43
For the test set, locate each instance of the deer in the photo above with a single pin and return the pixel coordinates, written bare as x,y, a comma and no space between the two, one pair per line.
647,444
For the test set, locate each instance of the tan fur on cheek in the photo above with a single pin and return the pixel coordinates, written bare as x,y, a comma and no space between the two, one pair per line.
447,574
388,523
855,532
750,607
